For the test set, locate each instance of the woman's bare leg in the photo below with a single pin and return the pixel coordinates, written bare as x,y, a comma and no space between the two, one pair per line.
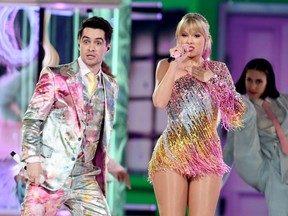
171,190
203,195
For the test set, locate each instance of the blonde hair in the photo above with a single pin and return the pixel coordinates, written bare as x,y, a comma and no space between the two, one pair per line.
196,21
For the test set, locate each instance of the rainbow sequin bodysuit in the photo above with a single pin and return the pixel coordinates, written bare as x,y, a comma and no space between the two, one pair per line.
190,144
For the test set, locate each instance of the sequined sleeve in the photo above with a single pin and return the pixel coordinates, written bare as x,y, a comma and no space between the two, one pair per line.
229,101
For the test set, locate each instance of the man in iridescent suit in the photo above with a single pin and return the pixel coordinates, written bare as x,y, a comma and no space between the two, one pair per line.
67,130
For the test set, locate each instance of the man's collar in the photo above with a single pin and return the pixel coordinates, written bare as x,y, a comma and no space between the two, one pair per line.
84,69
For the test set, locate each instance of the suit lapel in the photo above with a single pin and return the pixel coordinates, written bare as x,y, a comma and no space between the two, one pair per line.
281,101
75,86
109,106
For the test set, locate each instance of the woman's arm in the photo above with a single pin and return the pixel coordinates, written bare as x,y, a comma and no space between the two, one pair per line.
229,101
165,78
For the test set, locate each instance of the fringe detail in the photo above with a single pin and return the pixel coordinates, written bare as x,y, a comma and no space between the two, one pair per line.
230,104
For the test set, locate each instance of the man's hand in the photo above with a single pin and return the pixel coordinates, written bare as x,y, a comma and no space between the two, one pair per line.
118,172
20,177
122,176
34,170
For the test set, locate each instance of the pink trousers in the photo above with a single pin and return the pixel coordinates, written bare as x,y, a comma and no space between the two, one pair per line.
80,194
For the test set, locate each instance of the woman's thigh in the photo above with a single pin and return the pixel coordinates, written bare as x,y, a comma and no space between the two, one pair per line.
203,195
171,190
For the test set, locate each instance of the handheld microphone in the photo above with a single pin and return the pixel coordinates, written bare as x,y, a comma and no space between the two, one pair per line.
17,158
178,54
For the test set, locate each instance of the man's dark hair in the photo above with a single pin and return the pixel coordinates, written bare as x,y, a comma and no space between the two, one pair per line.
96,22
264,66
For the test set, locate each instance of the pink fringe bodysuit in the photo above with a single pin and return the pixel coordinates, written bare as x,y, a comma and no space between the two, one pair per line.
190,144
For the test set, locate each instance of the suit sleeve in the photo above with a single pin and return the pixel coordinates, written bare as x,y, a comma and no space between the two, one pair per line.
228,150
114,167
244,145
37,111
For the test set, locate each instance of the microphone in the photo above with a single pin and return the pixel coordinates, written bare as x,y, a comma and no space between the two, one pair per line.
17,158
178,54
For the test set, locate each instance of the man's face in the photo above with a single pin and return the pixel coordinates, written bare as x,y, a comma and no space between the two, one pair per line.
93,47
